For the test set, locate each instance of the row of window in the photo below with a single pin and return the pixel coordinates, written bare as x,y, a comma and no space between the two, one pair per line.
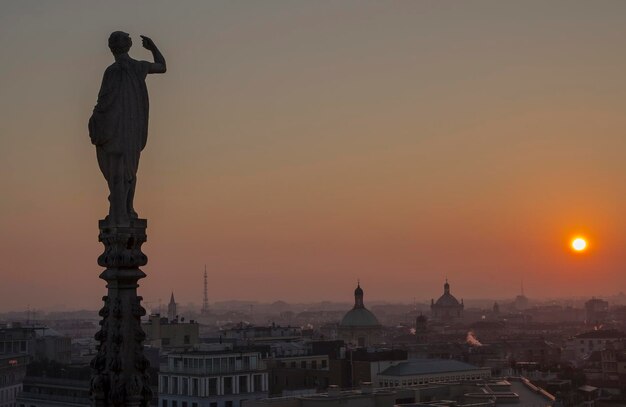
425,380
215,364
13,346
176,403
213,386
304,365
598,341
9,394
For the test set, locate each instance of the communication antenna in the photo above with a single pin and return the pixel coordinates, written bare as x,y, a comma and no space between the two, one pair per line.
205,302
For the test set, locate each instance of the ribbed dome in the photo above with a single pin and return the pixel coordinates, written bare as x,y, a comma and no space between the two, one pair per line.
359,317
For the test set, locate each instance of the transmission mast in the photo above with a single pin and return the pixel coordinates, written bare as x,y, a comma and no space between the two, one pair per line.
205,302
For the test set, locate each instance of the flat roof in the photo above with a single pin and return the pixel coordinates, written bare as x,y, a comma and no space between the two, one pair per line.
427,366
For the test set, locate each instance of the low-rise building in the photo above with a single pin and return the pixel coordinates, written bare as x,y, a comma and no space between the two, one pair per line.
516,391
582,345
12,373
17,348
54,392
249,333
424,371
51,345
163,333
215,376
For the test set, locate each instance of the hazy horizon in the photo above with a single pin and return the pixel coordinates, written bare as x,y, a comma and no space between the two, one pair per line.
295,147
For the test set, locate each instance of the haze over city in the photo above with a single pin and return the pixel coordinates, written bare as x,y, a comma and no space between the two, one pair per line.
296,147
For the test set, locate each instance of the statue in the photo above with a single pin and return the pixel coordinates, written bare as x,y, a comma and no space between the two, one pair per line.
118,126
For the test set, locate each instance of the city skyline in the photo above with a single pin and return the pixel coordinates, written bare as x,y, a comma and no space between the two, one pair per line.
297,147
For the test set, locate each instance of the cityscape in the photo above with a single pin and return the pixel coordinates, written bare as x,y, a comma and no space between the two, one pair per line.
312,204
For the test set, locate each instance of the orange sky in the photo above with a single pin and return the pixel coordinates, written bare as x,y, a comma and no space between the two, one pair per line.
297,146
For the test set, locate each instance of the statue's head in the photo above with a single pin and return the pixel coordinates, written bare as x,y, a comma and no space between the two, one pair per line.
119,42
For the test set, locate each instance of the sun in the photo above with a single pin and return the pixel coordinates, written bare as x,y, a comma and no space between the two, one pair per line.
579,244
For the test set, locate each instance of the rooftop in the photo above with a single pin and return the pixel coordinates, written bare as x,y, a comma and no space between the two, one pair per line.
427,366
601,334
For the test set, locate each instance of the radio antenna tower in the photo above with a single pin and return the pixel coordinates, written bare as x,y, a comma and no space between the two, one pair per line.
205,302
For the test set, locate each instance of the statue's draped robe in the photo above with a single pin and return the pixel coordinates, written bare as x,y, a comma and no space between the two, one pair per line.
119,123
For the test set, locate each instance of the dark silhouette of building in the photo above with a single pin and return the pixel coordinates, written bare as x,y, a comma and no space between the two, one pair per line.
447,307
359,326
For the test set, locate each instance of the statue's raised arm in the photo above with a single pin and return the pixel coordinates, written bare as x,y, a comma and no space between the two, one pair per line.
118,126
159,65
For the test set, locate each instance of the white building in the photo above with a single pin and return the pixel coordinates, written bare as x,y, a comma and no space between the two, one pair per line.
221,376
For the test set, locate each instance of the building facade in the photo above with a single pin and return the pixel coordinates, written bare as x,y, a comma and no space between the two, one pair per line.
54,392
161,333
582,345
17,348
220,377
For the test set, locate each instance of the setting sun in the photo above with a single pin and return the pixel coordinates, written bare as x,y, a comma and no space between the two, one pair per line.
579,244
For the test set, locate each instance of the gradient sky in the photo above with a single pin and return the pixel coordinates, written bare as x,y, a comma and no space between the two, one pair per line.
296,146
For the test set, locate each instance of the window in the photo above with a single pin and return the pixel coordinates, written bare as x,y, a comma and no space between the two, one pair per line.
228,385
195,387
303,364
243,384
184,404
186,339
164,384
164,403
257,381
228,403
185,386
212,386
314,364
213,404
324,363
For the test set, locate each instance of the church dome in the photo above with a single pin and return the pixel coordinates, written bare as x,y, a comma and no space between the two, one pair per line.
359,316
447,300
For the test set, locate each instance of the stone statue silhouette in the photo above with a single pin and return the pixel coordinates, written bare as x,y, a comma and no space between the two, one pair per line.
118,126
